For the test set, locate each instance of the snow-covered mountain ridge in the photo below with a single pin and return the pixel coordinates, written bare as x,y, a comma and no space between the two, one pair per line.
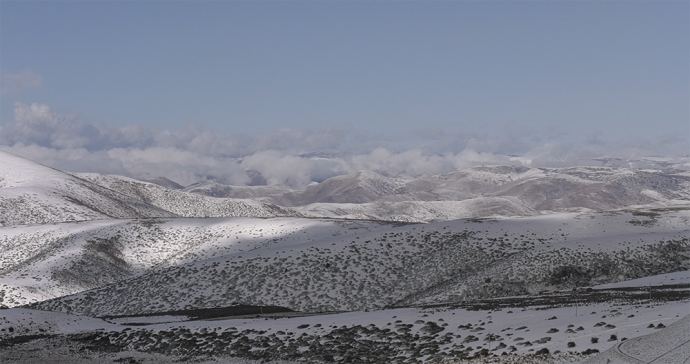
184,204
31,193
512,191
34,194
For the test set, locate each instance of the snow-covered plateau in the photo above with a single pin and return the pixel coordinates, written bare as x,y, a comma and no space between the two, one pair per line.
495,264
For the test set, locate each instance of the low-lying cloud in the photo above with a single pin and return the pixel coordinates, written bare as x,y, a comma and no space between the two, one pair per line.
296,158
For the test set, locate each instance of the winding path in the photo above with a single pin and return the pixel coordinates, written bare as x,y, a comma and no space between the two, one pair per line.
681,351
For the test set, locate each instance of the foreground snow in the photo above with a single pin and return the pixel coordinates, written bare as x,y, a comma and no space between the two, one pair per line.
395,335
670,345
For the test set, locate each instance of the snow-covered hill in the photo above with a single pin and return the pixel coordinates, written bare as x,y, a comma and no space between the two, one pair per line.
214,189
34,194
48,261
420,211
184,204
334,265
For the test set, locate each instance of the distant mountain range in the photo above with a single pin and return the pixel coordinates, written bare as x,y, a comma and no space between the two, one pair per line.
475,192
33,194
538,189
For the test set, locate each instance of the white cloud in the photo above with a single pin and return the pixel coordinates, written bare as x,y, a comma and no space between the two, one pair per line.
182,166
286,157
14,83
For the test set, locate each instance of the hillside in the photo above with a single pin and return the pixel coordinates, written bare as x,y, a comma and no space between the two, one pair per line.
214,189
335,266
420,211
47,261
184,204
31,193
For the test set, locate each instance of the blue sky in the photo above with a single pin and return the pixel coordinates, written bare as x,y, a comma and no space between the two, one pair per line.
618,67
525,73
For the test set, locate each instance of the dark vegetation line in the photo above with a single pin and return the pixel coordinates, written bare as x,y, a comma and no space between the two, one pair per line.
208,313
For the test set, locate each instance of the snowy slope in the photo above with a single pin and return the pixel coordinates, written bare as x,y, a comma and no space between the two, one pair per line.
670,345
420,211
47,261
336,266
182,203
214,189
360,187
34,194
400,335
34,322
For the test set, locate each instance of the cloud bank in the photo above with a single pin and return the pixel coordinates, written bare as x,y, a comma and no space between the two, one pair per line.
296,158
